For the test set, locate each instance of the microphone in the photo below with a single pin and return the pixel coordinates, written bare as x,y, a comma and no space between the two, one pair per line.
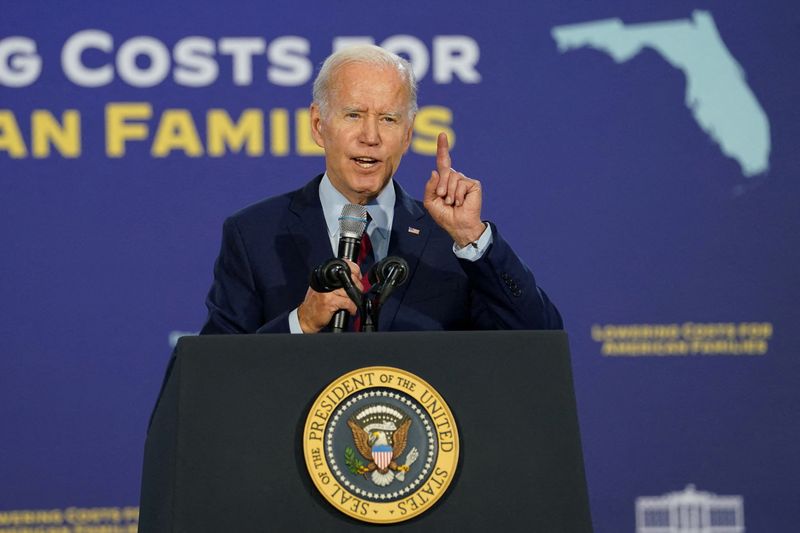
389,273
335,274
352,223
325,278
383,269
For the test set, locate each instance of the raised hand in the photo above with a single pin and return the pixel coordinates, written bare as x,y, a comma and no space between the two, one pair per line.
452,199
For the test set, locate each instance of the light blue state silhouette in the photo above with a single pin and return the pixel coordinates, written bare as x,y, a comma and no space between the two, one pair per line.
716,91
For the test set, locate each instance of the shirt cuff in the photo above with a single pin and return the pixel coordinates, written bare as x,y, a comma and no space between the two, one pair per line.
474,251
294,322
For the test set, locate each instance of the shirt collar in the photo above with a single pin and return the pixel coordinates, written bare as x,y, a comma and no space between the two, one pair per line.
380,208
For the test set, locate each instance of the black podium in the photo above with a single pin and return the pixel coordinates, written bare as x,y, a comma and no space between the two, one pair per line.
223,452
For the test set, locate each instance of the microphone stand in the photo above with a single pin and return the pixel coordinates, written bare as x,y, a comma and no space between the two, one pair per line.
335,273
343,276
380,294
369,322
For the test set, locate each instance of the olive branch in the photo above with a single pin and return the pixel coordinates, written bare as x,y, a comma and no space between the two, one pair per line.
351,461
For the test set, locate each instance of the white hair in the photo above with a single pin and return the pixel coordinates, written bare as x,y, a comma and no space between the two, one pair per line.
368,54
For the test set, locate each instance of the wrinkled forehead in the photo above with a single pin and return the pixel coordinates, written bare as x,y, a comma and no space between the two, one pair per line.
357,84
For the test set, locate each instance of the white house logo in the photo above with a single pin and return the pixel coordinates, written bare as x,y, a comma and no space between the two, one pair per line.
690,511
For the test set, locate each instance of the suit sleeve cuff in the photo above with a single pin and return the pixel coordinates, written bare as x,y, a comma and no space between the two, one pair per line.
475,250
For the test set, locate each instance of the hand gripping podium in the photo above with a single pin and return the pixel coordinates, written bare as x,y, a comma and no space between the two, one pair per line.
224,451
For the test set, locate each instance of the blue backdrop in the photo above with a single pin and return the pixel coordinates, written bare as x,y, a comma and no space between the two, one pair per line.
645,168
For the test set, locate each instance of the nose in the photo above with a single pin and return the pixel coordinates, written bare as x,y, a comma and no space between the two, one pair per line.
369,131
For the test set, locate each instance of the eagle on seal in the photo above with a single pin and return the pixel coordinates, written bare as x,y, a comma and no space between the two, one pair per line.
375,447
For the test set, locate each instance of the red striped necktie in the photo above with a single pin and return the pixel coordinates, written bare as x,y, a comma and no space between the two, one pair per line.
365,259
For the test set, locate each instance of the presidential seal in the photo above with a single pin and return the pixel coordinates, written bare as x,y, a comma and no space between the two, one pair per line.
381,444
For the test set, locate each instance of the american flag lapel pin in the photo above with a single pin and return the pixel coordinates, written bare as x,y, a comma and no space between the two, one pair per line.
413,231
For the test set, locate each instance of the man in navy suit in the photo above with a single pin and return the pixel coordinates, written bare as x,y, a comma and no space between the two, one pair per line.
463,274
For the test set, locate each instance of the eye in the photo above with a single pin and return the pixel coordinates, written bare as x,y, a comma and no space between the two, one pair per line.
390,119
351,114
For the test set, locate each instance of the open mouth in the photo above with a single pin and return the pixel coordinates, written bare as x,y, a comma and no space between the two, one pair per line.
365,162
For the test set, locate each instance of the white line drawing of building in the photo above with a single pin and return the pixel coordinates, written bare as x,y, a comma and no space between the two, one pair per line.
690,511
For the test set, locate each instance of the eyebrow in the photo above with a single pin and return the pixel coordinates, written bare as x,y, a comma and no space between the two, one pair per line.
348,109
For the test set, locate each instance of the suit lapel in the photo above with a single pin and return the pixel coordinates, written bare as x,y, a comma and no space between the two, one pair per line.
307,226
410,232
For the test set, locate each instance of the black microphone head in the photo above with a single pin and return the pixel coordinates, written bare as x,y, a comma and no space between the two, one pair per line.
381,270
352,221
324,278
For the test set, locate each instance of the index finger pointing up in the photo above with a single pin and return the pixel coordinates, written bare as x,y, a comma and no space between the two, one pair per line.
443,162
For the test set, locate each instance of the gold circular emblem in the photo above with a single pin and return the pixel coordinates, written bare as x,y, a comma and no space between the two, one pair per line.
381,444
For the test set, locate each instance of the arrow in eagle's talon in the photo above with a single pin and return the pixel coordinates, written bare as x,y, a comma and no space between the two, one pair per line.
410,458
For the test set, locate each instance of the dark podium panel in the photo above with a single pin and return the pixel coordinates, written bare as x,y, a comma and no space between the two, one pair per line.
224,452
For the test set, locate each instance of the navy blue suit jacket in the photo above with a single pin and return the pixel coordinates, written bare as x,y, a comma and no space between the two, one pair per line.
270,248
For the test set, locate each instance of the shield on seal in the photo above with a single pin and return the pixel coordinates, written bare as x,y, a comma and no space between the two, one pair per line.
382,455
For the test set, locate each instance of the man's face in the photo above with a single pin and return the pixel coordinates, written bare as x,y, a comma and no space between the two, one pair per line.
365,131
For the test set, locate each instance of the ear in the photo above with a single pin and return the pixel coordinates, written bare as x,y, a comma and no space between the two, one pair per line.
316,125
409,133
